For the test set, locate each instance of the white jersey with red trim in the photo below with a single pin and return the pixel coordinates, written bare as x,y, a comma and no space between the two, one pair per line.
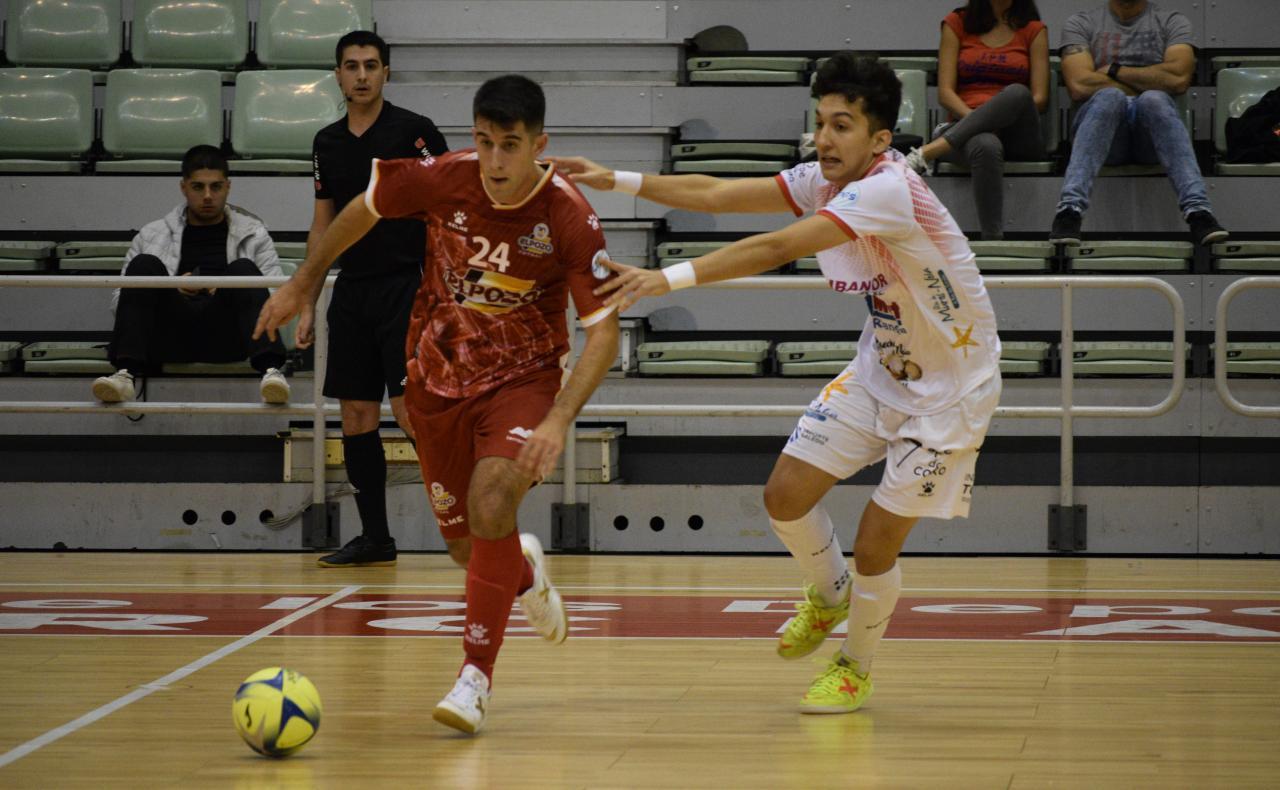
931,335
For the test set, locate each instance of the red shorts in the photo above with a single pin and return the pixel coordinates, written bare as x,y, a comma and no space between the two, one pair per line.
453,433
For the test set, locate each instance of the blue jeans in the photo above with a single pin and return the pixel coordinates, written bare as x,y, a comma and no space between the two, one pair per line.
1114,129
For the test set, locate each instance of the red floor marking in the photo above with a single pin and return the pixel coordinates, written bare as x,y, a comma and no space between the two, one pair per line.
669,616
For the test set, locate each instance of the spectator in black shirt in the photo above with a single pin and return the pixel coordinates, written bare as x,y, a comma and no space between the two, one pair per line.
203,236
379,275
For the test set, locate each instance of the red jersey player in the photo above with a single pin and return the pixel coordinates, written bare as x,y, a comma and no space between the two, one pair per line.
509,240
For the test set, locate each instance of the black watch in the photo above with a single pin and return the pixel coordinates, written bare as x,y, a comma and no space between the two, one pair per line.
1113,71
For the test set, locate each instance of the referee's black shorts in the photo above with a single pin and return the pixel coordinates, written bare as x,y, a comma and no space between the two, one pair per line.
368,320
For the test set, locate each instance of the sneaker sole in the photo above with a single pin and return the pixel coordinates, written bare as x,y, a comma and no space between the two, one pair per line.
1070,242
835,709
449,717
1213,238
378,564
535,556
107,393
275,394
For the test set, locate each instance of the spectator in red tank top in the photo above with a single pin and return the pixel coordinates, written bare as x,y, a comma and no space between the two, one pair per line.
993,80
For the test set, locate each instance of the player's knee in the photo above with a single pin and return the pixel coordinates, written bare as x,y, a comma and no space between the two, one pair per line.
781,503
491,515
460,551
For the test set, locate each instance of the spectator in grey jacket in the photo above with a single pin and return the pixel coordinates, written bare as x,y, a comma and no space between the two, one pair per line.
205,237
1124,62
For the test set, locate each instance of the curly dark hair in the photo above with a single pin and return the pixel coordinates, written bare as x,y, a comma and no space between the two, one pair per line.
861,77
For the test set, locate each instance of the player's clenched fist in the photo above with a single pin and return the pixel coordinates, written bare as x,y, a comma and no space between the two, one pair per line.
280,309
632,284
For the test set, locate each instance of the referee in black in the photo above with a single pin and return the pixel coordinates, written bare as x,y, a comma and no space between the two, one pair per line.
369,312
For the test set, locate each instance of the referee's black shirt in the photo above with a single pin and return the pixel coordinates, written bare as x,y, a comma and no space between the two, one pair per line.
342,164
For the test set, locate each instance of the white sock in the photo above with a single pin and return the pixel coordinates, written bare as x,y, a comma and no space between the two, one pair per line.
812,540
869,611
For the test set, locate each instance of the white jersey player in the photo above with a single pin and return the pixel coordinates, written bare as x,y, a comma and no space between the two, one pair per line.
920,392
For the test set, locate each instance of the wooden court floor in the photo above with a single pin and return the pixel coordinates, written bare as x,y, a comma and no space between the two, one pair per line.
117,670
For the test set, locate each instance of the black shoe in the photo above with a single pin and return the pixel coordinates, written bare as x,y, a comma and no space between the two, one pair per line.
1205,228
1066,227
360,551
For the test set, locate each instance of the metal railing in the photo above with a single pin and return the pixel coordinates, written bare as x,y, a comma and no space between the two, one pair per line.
1220,346
1066,412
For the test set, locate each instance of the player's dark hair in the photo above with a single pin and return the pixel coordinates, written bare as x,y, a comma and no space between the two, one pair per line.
980,18
510,99
362,38
859,77
203,157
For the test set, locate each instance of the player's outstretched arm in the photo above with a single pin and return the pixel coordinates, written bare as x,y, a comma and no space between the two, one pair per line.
539,453
745,257
349,227
692,192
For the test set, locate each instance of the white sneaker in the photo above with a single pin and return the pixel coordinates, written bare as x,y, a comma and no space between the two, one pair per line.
274,387
116,388
541,603
465,706
916,161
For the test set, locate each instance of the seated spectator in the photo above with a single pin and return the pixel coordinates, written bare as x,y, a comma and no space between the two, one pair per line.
204,236
993,79
1123,63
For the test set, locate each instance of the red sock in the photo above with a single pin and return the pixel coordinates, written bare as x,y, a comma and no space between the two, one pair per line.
493,574
526,577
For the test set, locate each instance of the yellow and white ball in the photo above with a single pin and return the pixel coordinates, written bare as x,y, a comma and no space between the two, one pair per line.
276,711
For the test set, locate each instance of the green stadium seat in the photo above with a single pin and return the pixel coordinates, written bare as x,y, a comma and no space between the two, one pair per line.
747,69
1124,358
721,157
75,33
1131,256
93,249
303,33
68,358
1252,359
1024,358
1013,256
704,358
1241,61
10,355
1238,90
277,114
152,116
209,34
46,119
291,249
288,266
24,256
821,358
1246,256
808,265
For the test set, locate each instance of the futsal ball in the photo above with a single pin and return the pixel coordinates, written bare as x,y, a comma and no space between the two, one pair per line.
276,711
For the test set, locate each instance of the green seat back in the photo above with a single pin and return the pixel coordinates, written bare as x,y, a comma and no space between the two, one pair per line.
161,112
210,33
1128,249
1238,90
841,351
93,249
278,113
303,33
26,250
753,62
743,150
45,113
705,351
63,33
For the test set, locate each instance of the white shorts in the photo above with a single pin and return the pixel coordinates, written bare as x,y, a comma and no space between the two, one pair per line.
930,458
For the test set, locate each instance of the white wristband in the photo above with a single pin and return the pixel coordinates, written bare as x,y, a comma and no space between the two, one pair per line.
627,181
680,275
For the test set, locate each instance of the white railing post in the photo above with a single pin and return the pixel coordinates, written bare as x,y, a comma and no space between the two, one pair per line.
1220,346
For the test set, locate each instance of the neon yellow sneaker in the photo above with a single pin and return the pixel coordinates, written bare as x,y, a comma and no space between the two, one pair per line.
839,689
814,620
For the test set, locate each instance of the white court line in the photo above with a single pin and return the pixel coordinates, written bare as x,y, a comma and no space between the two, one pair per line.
621,588
18,752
